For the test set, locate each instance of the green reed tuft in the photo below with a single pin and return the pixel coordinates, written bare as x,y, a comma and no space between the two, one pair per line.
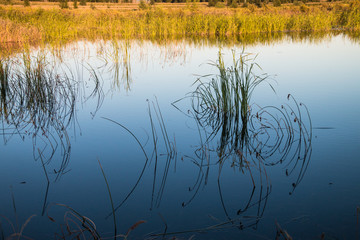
227,95
249,135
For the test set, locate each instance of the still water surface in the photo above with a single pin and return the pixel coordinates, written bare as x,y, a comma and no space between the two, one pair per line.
182,183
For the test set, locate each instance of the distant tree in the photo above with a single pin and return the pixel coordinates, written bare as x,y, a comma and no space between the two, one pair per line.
63,4
277,3
75,4
234,4
6,2
258,3
26,3
143,5
212,3
82,2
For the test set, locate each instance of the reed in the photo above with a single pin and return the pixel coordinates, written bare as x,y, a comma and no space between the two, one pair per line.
16,230
250,136
161,23
226,97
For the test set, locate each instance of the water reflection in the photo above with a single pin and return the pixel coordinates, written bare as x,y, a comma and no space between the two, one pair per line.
231,128
246,40
230,131
117,60
249,136
159,139
39,101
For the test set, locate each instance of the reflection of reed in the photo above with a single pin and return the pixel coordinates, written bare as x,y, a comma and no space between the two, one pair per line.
38,102
159,137
281,135
222,108
249,136
117,56
250,39
170,154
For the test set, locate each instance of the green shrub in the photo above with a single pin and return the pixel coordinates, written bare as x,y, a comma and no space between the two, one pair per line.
82,2
75,4
26,3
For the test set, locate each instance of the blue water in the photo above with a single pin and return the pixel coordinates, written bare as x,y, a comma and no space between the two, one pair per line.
324,75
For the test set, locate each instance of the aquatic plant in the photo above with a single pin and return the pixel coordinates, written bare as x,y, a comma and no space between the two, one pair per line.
75,225
227,96
17,230
246,136
223,107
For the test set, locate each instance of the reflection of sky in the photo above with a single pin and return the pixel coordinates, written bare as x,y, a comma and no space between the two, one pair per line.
324,76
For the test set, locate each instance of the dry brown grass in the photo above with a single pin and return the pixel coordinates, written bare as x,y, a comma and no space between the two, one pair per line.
11,32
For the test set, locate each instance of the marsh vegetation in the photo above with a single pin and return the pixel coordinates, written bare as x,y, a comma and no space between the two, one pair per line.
120,140
40,103
59,25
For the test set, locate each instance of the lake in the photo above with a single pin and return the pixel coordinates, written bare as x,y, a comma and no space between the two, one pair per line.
161,135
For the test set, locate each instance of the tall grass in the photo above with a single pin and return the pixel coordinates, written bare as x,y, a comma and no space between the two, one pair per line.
158,23
224,101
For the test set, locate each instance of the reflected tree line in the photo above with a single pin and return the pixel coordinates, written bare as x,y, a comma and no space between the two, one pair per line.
39,101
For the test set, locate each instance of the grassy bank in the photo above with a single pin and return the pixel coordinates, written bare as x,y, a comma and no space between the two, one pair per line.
20,24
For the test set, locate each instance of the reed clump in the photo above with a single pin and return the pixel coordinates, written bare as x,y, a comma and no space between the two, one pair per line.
244,132
160,23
